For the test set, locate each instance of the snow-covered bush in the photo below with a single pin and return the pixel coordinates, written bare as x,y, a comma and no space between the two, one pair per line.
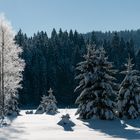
128,103
48,104
96,86
29,112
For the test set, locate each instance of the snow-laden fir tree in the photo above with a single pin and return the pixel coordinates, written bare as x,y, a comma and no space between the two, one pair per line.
42,107
51,107
11,65
48,104
128,103
96,85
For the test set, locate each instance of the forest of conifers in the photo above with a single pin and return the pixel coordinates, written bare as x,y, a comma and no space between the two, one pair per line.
51,61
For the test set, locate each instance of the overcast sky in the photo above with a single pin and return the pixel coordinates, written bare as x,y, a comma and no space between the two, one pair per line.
83,15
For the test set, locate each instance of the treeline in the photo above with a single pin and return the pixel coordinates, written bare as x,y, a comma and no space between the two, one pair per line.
126,35
51,61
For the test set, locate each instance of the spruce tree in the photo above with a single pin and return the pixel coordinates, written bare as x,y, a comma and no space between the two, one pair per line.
96,85
129,93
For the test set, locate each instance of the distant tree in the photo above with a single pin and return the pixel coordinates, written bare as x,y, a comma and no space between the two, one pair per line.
115,49
137,59
93,39
25,43
54,36
115,40
129,94
39,65
122,53
71,35
130,49
20,38
107,46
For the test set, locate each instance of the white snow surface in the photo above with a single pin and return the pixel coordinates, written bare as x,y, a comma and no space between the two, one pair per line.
45,127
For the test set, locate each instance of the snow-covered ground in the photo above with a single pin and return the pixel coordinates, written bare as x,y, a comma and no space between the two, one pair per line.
45,127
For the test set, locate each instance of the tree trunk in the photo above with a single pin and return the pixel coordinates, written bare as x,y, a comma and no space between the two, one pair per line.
2,75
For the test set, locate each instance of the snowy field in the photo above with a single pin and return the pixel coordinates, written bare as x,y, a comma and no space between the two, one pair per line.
45,127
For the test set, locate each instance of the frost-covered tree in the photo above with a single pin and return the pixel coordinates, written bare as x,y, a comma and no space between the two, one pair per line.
96,85
48,104
11,65
12,105
128,103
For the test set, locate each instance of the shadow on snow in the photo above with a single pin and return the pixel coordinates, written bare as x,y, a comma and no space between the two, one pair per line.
128,129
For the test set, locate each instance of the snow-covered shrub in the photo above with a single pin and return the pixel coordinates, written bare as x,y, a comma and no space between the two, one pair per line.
48,104
29,112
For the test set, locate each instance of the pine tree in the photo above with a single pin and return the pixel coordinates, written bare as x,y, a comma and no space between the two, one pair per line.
129,94
97,86
115,50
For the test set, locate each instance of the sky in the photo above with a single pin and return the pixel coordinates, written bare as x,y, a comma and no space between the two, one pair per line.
83,15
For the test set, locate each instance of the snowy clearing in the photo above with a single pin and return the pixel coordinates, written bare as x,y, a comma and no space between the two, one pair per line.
45,127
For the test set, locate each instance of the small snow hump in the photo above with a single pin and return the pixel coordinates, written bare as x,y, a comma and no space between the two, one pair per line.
29,112
66,123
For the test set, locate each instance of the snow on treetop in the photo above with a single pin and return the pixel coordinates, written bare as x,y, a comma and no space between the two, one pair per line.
50,91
